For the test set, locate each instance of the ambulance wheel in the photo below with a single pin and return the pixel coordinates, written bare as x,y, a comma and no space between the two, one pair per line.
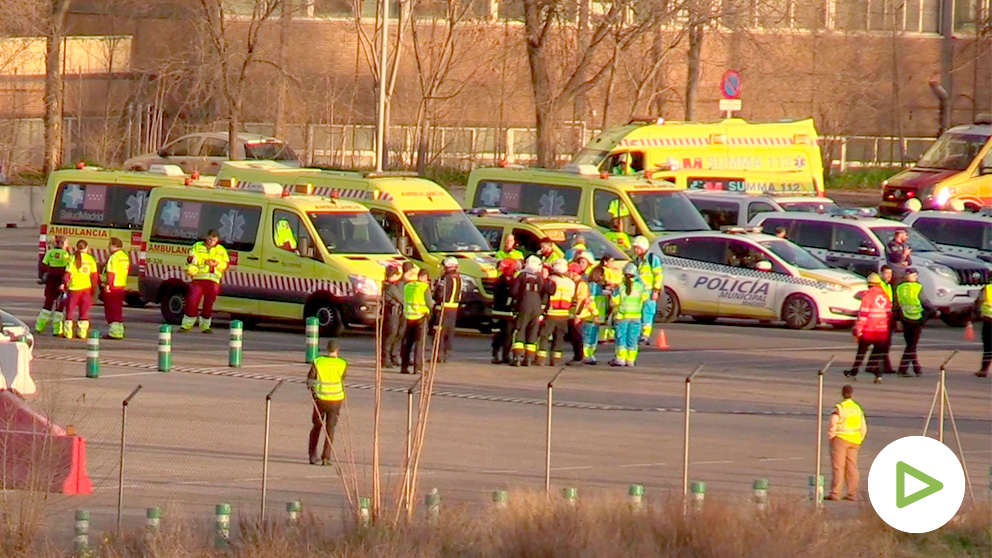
134,300
328,316
173,303
799,312
670,310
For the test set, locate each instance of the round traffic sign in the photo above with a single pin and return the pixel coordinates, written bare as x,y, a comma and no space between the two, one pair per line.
730,85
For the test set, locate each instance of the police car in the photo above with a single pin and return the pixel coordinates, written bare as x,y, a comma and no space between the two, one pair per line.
741,273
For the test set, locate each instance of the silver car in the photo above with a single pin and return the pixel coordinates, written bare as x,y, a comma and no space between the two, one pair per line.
13,327
205,152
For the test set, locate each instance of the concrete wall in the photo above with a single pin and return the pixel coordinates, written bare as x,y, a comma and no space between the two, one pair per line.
21,206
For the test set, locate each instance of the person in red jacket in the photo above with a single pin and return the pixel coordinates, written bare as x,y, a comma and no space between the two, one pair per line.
872,329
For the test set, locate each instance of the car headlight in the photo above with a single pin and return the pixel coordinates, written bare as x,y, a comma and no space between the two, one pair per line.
943,271
943,196
469,285
833,287
364,285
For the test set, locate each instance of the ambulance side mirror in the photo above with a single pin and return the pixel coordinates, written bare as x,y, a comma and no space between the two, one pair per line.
306,250
984,169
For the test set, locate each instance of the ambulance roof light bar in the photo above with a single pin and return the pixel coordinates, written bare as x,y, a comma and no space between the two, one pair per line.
585,170
732,229
167,170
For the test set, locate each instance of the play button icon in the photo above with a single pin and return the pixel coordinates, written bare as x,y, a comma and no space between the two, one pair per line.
910,470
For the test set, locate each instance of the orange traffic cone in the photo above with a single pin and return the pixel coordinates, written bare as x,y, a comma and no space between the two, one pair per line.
661,342
969,332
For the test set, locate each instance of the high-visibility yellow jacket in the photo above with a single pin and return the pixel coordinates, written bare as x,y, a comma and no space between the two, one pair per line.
560,303
416,300
848,422
56,258
81,277
198,268
650,270
908,298
285,238
629,301
326,378
118,266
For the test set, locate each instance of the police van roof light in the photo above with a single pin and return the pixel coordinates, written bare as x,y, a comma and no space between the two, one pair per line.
731,229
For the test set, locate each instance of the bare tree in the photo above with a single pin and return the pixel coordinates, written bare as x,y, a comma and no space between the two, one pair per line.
54,92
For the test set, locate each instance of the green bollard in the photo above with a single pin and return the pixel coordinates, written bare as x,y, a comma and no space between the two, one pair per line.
93,355
234,348
165,348
81,542
570,494
313,339
365,511
698,491
153,519
433,503
760,487
635,496
816,490
500,499
293,510
222,526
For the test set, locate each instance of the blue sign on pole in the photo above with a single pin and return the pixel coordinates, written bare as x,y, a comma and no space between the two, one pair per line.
730,85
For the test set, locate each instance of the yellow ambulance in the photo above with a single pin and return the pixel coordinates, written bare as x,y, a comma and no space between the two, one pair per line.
767,149
292,255
645,206
420,217
96,204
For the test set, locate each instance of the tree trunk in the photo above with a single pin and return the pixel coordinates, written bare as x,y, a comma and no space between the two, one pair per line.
582,100
285,24
692,76
544,109
54,93
236,151
656,105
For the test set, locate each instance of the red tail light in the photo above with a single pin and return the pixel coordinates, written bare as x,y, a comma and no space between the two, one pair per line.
141,258
42,241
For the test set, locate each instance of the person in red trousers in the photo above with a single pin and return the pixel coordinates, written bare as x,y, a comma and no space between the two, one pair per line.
82,282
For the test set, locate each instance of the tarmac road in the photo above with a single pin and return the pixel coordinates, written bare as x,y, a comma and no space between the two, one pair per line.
195,435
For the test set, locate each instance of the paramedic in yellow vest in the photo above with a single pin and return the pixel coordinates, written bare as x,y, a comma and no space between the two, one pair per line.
326,384
556,315
652,276
447,296
206,263
52,273
82,282
285,237
417,305
912,310
983,309
510,250
847,431
617,234
628,302
118,266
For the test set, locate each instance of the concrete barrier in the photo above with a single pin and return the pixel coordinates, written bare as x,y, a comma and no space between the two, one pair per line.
21,206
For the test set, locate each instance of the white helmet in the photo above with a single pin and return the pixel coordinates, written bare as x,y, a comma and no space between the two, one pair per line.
587,256
450,263
533,264
642,243
630,270
560,266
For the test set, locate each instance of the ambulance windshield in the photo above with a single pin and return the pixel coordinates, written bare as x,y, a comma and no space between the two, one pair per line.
351,233
668,211
794,254
588,156
952,151
447,231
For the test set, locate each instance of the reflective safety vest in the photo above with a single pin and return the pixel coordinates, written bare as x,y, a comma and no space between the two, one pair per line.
454,282
415,300
561,300
198,268
621,239
329,385
910,305
81,276
851,418
56,258
618,209
650,270
630,300
513,254
887,288
987,302
118,265
285,237
595,303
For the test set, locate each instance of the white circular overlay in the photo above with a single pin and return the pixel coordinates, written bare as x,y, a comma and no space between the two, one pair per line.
916,484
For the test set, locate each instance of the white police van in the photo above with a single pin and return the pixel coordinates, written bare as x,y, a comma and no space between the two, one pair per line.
740,273
961,234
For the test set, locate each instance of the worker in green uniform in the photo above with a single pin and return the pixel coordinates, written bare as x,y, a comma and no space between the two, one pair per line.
913,312
51,271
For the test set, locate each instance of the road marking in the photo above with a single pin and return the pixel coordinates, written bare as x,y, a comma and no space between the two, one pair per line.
711,462
769,459
632,465
102,375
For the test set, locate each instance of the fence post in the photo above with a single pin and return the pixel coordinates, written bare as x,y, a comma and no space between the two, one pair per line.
313,339
685,438
93,355
153,519
81,541
165,348
760,487
265,447
222,526
635,496
819,423
547,447
816,489
120,479
234,347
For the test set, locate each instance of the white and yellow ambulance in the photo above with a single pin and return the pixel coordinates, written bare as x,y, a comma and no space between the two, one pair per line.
420,217
773,156
292,255
96,204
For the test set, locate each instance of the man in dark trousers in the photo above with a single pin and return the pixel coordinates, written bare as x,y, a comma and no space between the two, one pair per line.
503,304
531,291
913,312
983,312
417,305
447,296
392,318
326,384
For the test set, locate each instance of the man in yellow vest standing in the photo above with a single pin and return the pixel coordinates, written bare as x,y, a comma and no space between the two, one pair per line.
326,384
118,266
206,263
913,311
417,305
847,431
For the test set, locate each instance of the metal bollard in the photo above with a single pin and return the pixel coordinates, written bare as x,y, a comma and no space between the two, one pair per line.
93,355
293,510
222,526
153,519
760,487
81,542
635,496
365,511
234,347
500,499
570,494
165,348
698,490
816,490
433,503
313,339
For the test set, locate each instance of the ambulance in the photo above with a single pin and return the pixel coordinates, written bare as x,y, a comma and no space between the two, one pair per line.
420,217
292,255
774,156
646,206
530,230
96,204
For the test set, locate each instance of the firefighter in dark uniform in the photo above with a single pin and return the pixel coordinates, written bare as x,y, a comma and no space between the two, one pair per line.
447,295
503,310
392,318
556,320
530,291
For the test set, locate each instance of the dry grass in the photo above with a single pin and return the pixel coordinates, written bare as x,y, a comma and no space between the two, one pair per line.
530,528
